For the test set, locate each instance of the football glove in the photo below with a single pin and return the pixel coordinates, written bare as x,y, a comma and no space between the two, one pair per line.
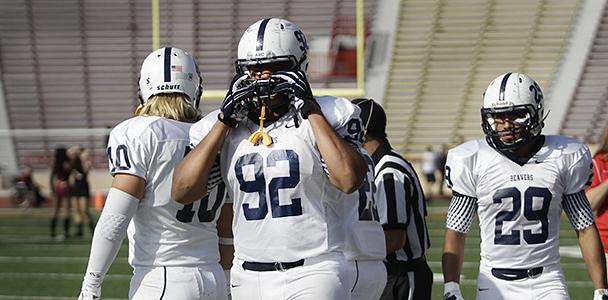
600,294
296,82
237,102
451,291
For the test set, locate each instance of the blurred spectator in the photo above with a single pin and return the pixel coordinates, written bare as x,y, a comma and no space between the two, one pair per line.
429,166
597,193
26,190
60,189
442,157
79,188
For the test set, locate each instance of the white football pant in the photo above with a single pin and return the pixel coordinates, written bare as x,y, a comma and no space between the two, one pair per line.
370,279
324,277
549,285
205,282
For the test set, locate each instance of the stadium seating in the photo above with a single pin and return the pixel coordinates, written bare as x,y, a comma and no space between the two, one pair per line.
74,64
447,52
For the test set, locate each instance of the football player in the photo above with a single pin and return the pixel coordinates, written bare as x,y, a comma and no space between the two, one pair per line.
365,246
518,181
286,158
401,210
173,248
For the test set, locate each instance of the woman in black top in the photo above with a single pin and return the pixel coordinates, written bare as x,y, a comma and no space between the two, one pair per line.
79,188
60,188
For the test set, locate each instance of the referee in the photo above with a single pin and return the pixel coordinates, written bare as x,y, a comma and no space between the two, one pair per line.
402,210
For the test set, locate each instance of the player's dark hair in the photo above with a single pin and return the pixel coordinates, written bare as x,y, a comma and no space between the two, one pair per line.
373,117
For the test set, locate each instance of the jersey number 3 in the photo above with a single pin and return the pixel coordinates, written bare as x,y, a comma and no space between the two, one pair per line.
258,184
529,213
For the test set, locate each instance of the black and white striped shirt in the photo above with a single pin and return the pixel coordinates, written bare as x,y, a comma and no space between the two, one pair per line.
400,202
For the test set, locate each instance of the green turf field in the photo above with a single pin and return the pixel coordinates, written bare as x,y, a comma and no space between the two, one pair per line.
32,266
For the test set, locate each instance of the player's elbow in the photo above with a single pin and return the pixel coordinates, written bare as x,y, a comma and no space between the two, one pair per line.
185,192
350,179
348,183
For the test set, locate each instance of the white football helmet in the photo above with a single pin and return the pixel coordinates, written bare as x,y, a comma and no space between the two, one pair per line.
170,70
513,93
272,40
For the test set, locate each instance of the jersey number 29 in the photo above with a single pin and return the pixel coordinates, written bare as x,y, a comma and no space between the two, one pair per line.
530,214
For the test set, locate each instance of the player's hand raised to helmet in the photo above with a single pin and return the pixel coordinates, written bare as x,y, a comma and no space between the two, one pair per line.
237,102
296,80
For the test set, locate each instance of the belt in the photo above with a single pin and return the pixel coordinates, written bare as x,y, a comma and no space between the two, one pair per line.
273,266
515,274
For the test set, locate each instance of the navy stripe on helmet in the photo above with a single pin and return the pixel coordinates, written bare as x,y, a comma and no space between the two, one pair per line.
259,45
168,64
503,86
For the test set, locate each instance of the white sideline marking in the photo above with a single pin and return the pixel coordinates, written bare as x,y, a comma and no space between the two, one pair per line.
10,297
69,276
570,251
438,277
49,259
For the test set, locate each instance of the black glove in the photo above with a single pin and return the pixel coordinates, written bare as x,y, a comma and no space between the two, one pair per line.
297,83
237,102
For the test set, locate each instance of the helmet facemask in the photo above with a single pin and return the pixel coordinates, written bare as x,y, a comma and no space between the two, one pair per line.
525,126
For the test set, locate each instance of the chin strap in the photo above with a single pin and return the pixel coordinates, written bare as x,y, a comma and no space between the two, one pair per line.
255,137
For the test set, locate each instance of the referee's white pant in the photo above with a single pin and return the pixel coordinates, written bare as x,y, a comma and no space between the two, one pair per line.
325,277
203,282
370,279
549,284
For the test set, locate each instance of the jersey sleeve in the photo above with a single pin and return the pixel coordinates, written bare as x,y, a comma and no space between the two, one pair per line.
129,149
200,129
198,132
392,187
579,173
459,169
344,118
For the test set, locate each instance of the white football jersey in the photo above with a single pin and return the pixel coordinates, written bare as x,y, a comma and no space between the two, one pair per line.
519,206
163,232
285,208
364,234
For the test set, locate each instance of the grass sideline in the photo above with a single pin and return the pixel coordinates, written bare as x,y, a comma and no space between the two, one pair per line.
32,266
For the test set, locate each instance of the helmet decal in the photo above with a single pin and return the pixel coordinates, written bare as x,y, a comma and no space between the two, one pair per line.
167,64
259,46
503,85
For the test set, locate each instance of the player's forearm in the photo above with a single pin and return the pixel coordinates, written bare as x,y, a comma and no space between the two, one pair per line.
346,166
597,195
593,254
192,173
453,255
110,231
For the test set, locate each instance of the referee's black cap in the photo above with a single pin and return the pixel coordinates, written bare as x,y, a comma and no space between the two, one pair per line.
373,117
